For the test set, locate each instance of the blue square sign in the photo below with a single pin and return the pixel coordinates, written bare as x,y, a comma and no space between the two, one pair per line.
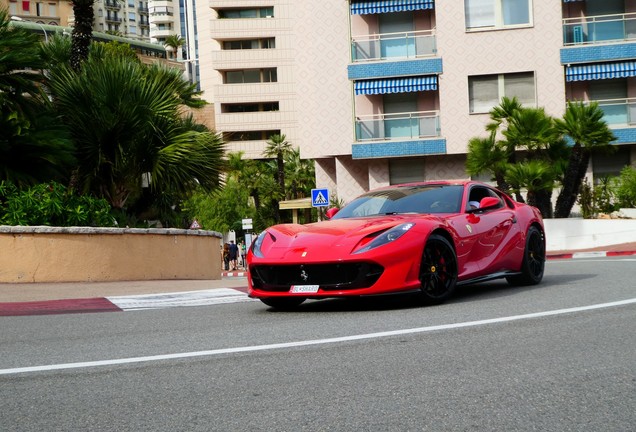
320,197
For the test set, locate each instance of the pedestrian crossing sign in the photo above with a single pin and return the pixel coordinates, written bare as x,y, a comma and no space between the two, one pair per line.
320,197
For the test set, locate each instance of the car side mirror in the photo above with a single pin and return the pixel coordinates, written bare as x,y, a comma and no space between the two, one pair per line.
331,212
489,203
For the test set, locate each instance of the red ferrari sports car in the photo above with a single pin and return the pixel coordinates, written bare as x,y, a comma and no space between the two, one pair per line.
427,237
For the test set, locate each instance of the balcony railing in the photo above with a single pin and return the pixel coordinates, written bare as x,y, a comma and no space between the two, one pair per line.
618,111
599,29
112,4
393,45
413,125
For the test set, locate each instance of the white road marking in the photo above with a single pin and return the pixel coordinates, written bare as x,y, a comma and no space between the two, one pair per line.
281,345
572,261
186,298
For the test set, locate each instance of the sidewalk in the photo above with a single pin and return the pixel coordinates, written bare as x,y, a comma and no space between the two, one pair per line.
41,292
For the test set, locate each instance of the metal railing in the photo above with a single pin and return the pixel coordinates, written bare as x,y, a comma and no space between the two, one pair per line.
422,124
599,29
618,111
394,45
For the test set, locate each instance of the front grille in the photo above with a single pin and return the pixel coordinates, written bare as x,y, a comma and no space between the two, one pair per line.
343,276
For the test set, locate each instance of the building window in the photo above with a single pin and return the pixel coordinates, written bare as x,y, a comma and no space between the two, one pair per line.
486,91
249,107
249,135
267,43
132,16
610,165
267,12
247,76
485,14
406,171
52,9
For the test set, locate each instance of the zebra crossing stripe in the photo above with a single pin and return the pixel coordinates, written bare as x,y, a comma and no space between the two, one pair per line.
187,298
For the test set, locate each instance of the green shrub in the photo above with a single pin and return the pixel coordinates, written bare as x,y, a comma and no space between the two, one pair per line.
51,204
625,188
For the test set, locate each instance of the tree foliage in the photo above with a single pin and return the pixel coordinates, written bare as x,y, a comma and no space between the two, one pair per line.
127,125
584,125
250,191
34,144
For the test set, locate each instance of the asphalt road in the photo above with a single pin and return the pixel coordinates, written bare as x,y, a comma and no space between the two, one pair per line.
560,356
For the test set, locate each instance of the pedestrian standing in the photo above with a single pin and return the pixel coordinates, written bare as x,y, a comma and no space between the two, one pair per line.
233,255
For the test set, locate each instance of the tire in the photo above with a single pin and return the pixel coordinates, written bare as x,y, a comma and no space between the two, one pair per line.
533,263
283,303
438,270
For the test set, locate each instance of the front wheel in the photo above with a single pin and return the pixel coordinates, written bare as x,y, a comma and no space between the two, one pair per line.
283,303
438,270
533,260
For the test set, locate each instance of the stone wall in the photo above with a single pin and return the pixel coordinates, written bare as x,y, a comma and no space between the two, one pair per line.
82,254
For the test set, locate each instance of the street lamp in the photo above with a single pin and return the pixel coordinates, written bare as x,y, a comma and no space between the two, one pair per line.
46,36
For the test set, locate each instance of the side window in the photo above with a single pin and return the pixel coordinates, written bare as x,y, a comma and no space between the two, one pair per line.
478,193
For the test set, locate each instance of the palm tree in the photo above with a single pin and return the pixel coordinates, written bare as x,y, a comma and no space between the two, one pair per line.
34,146
532,131
126,123
484,155
82,32
537,177
300,177
584,125
278,147
501,114
493,154
173,43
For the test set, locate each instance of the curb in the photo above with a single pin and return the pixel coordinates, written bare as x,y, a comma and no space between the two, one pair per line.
126,303
591,254
231,274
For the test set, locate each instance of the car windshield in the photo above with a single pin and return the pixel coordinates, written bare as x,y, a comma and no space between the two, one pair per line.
405,199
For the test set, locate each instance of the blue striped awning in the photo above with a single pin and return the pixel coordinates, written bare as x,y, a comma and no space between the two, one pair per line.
395,85
376,7
599,71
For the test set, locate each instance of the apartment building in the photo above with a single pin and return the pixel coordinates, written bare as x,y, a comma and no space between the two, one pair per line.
381,92
49,12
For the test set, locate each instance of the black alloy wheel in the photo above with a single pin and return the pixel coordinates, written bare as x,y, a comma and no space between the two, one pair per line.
438,270
533,263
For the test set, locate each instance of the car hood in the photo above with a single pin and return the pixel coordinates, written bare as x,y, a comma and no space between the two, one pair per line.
333,238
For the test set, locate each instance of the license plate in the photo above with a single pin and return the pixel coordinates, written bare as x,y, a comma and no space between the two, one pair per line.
304,288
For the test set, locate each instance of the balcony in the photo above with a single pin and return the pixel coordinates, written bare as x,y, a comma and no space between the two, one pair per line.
397,126
112,4
618,112
394,45
113,19
599,29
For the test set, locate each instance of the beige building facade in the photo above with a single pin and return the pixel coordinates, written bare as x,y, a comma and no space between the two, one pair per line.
383,92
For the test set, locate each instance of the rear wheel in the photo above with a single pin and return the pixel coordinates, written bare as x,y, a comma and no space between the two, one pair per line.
533,260
438,271
283,303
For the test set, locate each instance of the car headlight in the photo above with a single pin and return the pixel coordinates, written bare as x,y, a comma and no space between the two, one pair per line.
386,237
258,244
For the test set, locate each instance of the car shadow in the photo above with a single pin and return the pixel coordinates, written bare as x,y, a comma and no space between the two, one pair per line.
482,291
